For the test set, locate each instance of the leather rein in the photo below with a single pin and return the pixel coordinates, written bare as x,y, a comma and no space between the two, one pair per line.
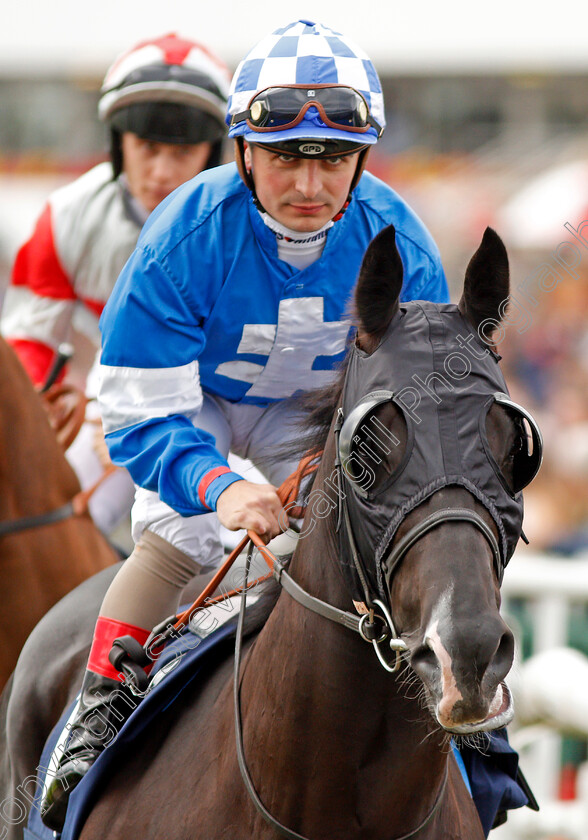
66,408
24,523
75,507
375,625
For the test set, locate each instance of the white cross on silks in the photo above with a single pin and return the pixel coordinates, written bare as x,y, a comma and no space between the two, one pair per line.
292,346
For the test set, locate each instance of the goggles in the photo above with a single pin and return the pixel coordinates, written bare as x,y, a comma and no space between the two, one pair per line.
281,108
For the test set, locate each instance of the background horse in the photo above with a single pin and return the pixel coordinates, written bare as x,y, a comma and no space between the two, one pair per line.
336,745
41,560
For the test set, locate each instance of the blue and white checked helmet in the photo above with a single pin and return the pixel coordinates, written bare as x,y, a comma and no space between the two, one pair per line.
305,53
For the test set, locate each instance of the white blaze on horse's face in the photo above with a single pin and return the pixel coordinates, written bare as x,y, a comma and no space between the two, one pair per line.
443,688
450,693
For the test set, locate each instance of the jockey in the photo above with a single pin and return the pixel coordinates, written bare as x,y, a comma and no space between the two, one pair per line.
164,104
235,298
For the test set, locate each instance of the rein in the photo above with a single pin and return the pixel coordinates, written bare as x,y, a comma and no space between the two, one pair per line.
75,507
365,625
65,406
14,526
371,626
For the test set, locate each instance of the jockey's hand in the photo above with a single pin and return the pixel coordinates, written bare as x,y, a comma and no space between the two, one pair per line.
255,507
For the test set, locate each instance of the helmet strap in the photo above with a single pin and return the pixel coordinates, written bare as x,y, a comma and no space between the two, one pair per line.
361,162
116,155
245,174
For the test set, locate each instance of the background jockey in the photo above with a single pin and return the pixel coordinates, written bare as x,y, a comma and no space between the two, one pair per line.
235,298
164,102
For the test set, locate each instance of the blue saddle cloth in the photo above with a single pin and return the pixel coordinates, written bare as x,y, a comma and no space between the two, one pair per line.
490,777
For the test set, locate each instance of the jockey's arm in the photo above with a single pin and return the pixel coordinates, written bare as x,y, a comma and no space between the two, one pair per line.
39,302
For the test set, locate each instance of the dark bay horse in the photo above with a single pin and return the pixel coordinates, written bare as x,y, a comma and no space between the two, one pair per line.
41,559
338,742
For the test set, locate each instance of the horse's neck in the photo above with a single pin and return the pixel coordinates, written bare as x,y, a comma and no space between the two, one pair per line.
342,718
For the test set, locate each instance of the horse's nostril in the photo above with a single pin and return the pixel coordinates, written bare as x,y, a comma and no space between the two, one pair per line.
501,661
506,646
504,652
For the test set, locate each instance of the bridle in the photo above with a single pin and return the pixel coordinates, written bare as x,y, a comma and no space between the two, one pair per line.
77,506
375,625
365,626
25,523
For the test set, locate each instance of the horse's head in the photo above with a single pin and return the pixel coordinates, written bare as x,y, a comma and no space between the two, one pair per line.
434,456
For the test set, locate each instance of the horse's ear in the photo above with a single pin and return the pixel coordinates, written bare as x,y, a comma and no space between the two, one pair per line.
378,288
486,286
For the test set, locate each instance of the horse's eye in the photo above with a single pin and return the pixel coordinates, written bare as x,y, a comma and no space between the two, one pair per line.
519,443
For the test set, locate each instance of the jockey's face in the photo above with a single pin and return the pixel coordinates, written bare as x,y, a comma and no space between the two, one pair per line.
301,193
154,170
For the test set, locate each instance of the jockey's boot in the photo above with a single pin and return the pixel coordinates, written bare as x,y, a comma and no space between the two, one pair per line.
104,705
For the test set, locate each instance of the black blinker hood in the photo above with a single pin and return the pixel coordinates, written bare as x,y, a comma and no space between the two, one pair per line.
444,379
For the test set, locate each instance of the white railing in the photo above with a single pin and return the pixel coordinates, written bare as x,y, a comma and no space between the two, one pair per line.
552,685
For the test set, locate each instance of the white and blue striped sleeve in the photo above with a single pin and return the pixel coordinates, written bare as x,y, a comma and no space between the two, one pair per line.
150,393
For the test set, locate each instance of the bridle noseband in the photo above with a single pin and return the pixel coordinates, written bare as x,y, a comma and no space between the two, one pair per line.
440,517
